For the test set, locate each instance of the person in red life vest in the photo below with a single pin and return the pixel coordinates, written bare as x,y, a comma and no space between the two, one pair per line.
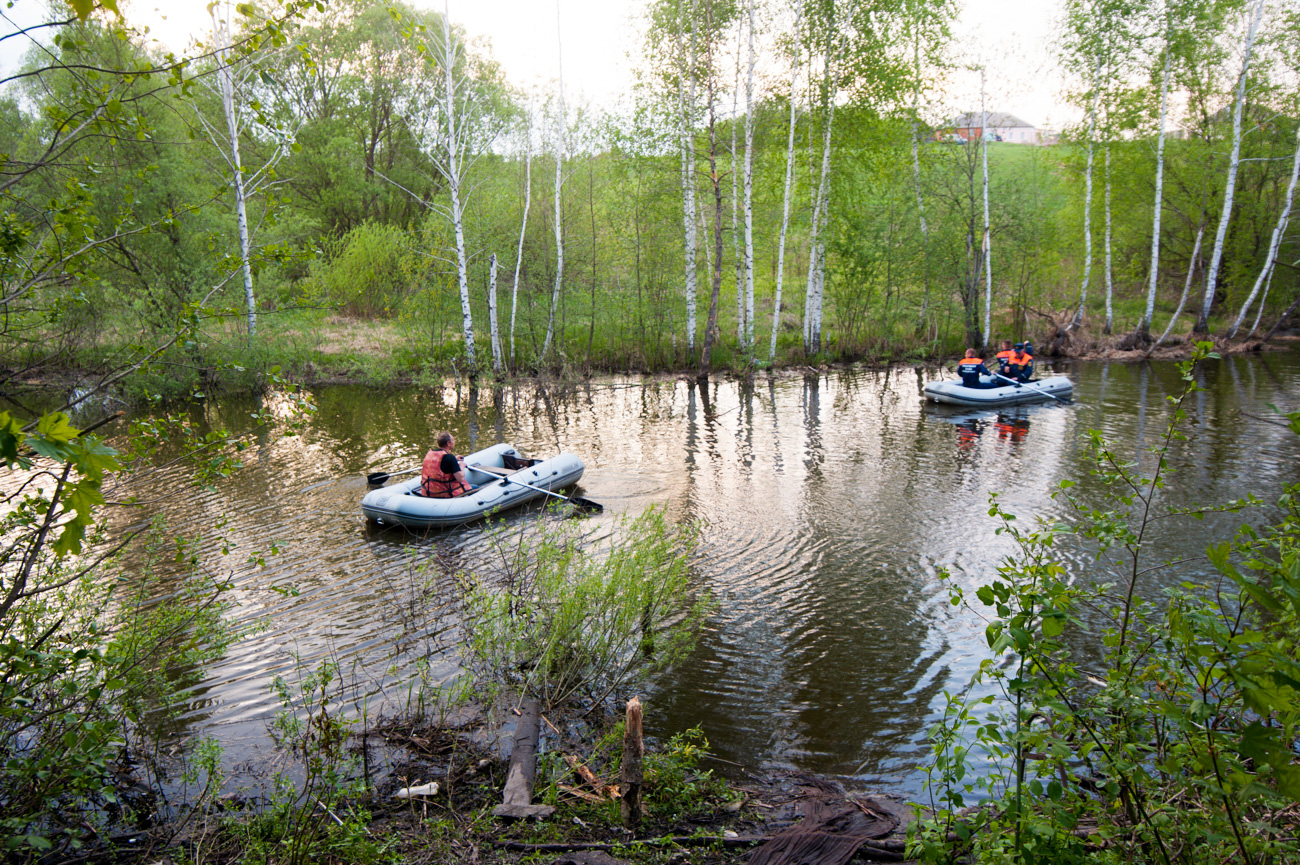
442,475
1021,365
971,368
1004,357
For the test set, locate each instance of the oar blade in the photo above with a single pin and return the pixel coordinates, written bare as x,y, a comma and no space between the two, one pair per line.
587,504
377,478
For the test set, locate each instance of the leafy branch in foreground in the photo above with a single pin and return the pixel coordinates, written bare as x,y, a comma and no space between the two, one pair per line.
1163,730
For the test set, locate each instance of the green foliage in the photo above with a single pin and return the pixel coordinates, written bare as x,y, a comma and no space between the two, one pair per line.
675,786
368,272
81,673
559,616
1181,745
302,821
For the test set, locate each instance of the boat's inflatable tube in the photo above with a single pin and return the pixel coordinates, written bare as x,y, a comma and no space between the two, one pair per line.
398,505
955,393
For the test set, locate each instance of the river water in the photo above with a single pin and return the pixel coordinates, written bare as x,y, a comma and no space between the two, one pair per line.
829,504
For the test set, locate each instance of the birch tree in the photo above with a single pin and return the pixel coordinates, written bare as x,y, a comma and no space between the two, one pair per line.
1275,242
748,341
714,24
1216,257
988,235
735,190
232,88
834,32
492,314
1144,323
1087,199
560,123
523,227
686,59
457,145
789,180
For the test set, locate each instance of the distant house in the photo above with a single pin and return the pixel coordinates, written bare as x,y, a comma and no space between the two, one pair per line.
999,127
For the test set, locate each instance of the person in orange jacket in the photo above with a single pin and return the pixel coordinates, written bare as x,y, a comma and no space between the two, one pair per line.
1004,357
443,474
971,368
1021,365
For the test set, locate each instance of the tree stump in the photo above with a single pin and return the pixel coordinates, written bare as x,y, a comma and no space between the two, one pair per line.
630,776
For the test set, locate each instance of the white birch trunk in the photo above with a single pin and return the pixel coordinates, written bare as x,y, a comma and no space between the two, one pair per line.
817,258
492,314
1144,326
523,227
789,180
227,84
749,189
1087,204
988,235
689,218
916,170
453,183
1187,283
1260,312
735,193
1110,290
1211,277
1278,231
559,188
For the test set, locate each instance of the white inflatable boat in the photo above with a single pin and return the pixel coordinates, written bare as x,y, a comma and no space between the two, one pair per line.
1057,387
502,478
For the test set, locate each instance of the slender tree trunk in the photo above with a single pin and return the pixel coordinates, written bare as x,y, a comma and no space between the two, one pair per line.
227,84
1187,283
920,204
1087,204
1211,278
1144,324
749,189
817,259
492,314
789,180
453,182
1278,231
523,228
686,98
591,210
711,325
1260,313
988,235
559,187
735,192
1110,289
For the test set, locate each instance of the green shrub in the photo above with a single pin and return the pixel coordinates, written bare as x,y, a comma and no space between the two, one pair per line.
369,272
558,617
1178,744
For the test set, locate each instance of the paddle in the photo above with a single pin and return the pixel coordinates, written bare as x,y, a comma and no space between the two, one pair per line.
377,478
577,501
1028,385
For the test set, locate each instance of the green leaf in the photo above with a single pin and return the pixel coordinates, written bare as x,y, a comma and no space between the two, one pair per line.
83,8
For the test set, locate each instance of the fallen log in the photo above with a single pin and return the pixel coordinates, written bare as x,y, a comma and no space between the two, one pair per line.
888,849
517,798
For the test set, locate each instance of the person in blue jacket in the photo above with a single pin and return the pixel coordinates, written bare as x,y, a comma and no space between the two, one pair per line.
971,368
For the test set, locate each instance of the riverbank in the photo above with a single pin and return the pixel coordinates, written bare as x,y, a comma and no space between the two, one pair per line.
697,809
316,348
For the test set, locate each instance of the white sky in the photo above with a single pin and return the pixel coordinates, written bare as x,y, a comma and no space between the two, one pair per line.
598,35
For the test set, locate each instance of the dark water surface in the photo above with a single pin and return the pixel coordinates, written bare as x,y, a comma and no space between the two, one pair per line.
829,505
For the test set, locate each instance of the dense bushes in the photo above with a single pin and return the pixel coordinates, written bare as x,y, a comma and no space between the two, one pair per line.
1165,734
